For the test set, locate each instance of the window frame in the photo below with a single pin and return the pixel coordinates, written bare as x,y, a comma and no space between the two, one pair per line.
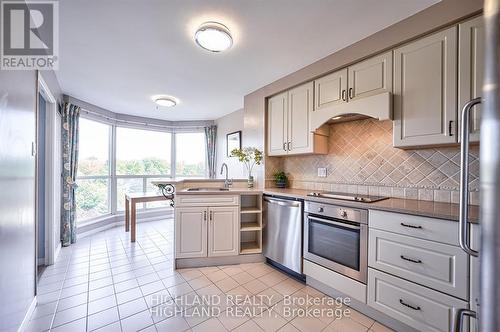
113,177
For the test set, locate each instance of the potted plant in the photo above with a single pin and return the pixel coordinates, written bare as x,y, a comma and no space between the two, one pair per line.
280,179
250,157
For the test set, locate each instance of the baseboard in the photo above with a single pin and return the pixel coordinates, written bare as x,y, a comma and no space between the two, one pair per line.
214,261
122,224
27,317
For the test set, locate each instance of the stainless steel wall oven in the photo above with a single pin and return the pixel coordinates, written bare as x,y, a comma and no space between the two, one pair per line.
336,237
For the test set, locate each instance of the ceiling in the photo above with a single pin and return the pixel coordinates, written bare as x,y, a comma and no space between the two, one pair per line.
117,54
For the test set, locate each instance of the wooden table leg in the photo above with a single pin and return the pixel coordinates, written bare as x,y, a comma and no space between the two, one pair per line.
127,214
132,220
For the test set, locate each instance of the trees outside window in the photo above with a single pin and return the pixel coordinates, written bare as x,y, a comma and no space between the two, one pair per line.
93,176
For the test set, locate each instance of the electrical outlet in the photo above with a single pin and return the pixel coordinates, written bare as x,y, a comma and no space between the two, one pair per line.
322,172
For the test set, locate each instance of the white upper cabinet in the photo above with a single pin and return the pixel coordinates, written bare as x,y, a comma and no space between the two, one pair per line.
277,124
370,77
289,124
330,90
223,231
470,69
300,106
425,91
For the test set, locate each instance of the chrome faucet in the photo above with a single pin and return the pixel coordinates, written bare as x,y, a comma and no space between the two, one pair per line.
227,183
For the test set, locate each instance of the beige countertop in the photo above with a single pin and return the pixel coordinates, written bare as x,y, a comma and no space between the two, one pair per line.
409,206
182,185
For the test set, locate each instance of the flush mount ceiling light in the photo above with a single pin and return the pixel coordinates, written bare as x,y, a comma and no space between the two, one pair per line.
213,36
166,101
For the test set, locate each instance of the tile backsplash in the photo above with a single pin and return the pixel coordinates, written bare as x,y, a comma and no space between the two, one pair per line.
361,159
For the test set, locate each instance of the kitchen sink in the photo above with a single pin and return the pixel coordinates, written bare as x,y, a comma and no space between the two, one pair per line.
208,189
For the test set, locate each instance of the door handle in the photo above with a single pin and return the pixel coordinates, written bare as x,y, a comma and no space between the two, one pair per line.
343,95
463,231
461,313
410,259
351,94
450,128
289,146
411,226
409,305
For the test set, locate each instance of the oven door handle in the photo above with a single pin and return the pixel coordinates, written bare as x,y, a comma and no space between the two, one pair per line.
334,222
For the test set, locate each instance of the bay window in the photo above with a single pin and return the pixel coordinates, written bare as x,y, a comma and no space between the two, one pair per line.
116,159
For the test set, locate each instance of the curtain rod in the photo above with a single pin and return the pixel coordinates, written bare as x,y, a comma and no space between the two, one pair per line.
110,119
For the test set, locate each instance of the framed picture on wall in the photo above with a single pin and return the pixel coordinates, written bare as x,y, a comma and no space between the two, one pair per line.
233,141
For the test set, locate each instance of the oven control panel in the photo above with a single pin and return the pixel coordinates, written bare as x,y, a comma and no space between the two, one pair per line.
336,211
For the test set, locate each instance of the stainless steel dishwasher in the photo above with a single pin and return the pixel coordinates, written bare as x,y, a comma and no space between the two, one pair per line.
282,232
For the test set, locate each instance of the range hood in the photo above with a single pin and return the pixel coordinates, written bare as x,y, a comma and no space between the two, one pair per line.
377,106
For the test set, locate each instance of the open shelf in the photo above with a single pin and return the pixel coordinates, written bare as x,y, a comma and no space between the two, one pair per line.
250,248
246,210
251,224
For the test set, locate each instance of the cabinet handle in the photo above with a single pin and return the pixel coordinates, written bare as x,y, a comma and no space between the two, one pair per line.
284,146
289,146
205,215
411,259
343,95
211,215
409,305
450,127
411,226
351,94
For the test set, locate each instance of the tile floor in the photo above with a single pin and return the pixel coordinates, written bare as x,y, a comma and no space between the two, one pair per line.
105,283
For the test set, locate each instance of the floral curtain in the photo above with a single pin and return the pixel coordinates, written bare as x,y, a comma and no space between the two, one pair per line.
210,140
70,119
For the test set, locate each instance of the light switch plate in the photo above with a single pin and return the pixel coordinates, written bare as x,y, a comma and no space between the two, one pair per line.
322,172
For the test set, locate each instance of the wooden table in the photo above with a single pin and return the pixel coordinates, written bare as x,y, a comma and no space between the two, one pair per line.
131,200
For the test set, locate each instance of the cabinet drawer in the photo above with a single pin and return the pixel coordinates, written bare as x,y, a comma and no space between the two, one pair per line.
439,230
435,265
206,200
414,305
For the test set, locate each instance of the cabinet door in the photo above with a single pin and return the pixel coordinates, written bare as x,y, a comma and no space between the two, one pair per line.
470,69
370,77
300,106
425,97
330,90
277,108
190,232
223,231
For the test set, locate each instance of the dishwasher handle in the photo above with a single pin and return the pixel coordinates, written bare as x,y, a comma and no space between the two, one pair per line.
282,202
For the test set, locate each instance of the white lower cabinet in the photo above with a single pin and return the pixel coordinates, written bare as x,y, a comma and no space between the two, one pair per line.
190,232
436,265
419,307
202,231
223,231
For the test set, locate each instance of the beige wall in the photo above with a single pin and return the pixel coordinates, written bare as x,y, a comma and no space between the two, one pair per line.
225,125
361,160
431,19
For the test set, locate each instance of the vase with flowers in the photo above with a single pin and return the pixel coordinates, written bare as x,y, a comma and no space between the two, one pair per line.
250,157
